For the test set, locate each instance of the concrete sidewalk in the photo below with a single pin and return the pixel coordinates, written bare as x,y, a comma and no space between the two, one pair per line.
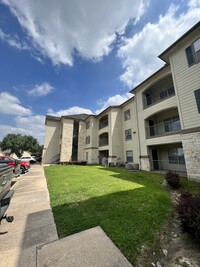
31,240
90,248
33,221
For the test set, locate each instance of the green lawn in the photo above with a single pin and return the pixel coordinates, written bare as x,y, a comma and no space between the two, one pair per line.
192,187
131,207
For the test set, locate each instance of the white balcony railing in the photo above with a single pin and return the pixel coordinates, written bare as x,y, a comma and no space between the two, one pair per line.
164,165
151,99
163,128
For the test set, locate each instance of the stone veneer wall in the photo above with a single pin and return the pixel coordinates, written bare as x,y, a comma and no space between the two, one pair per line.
191,147
81,141
92,155
145,164
67,138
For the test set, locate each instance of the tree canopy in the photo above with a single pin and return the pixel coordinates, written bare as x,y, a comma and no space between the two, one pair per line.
18,143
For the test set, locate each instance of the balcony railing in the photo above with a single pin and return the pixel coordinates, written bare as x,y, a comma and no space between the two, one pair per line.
103,142
151,99
103,124
164,165
163,128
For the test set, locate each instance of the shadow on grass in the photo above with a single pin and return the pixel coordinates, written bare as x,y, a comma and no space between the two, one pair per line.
130,218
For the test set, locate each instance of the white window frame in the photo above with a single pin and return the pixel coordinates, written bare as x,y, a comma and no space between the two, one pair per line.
129,158
176,156
128,134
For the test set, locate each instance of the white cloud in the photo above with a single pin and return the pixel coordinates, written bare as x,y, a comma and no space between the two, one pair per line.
13,41
10,104
139,53
41,90
103,104
70,111
112,101
87,27
7,129
33,125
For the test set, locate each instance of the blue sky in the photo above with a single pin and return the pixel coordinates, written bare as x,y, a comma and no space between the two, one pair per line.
68,57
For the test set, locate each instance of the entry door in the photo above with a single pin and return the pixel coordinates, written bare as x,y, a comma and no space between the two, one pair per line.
155,159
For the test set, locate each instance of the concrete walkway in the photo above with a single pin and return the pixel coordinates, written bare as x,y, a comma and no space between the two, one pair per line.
31,240
33,221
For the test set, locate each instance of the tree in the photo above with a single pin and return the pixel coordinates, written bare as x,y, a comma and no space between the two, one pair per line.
18,143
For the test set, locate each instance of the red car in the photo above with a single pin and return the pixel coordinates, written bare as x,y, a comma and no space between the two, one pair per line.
24,165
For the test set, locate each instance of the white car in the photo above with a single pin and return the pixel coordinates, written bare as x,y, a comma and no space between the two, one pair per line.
30,159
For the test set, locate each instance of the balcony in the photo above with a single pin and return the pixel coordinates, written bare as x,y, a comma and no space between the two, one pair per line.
150,99
103,139
103,122
169,126
169,157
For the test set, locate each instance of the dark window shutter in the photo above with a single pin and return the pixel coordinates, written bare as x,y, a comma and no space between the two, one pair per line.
197,96
190,56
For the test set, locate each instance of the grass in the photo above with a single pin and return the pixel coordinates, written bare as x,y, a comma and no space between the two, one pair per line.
131,207
191,186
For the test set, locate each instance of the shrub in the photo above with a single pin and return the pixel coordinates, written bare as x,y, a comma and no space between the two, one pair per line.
173,179
188,210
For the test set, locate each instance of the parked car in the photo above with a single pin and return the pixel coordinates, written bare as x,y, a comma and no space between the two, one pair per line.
15,163
6,174
29,159
24,165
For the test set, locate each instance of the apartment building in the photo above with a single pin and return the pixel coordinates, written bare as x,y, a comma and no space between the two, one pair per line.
158,128
109,137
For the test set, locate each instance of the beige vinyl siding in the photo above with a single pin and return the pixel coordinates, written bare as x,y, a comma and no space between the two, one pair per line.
149,83
187,80
157,108
161,140
143,114
92,132
133,144
52,141
116,133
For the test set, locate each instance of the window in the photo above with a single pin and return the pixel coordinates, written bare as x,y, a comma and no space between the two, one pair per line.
128,135
87,139
86,156
172,124
197,49
197,96
87,124
176,156
193,53
129,156
167,93
127,115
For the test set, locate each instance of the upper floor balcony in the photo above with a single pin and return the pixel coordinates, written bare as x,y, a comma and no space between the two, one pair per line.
160,91
163,123
103,139
153,98
169,126
103,122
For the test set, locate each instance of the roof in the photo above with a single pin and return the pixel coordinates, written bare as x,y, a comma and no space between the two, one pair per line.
164,56
77,116
150,77
73,117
